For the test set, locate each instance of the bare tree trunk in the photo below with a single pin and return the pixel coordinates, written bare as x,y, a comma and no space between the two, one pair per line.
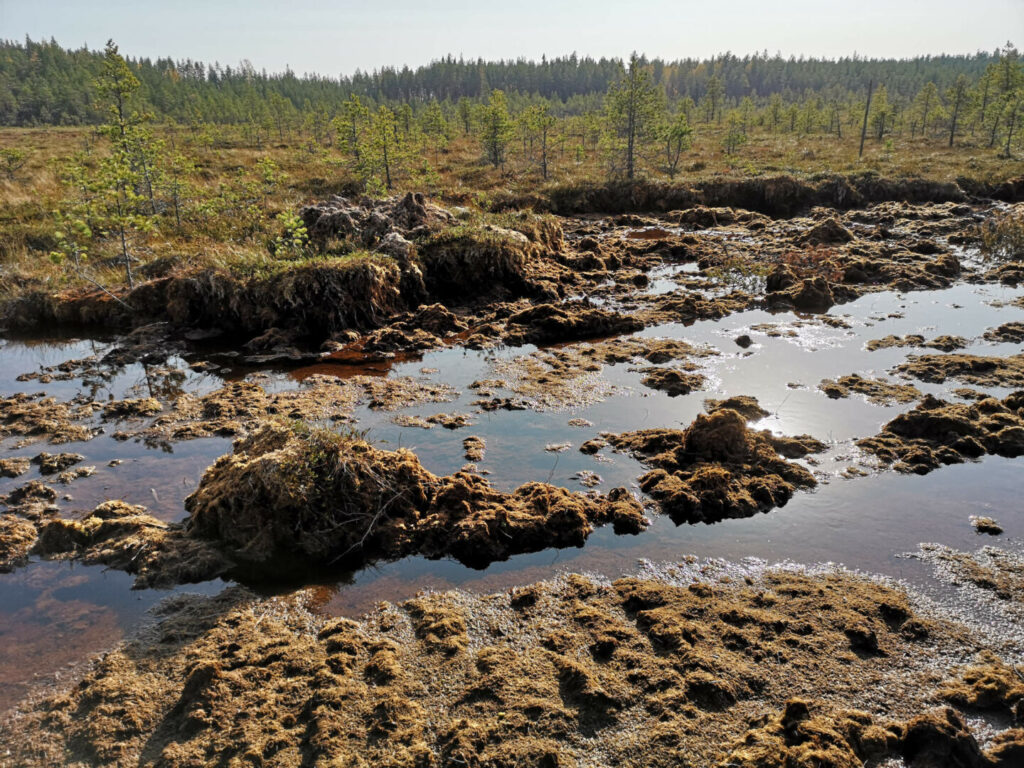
1012,125
864,127
956,114
124,245
995,126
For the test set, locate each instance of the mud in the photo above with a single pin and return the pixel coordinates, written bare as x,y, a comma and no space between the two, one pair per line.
715,469
642,671
876,391
937,432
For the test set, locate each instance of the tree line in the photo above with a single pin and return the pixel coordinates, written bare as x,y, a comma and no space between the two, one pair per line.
42,83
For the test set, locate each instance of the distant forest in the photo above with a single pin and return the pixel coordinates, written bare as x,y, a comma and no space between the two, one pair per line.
42,83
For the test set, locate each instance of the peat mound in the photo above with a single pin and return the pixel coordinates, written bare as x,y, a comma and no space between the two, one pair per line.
977,370
876,391
717,467
937,432
285,501
575,321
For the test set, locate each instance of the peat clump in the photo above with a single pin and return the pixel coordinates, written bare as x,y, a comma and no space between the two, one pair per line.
550,323
370,221
285,501
977,370
936,433
876,391
126,537
716,468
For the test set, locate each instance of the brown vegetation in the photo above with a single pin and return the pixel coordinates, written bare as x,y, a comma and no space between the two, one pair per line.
936,433
716,468
642,671
284,501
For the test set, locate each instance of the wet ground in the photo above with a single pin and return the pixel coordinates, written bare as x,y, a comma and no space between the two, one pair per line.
54,615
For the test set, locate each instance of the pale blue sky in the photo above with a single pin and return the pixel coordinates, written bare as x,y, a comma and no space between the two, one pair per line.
338,37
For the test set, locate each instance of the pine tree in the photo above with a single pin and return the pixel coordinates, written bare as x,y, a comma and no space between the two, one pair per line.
714,97
926,108
957,97
734,135
634,107
677,140
435,128
464,109
384,154
121,174
881,116
350,125
495,128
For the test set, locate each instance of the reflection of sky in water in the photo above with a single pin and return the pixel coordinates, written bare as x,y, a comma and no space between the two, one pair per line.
55,614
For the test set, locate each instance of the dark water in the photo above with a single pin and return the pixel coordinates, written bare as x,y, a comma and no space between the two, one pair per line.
53,615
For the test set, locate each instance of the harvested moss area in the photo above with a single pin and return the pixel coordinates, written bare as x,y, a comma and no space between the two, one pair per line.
375,261
937,432
677,669
718,468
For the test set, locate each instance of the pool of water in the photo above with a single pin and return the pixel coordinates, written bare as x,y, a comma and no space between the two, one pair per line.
53,615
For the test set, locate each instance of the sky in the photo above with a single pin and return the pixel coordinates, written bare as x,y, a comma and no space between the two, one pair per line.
336,37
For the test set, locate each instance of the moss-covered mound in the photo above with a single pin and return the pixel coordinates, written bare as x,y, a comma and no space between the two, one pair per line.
936,433
287,500
718,468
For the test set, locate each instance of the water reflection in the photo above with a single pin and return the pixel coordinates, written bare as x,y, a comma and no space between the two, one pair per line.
54,614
